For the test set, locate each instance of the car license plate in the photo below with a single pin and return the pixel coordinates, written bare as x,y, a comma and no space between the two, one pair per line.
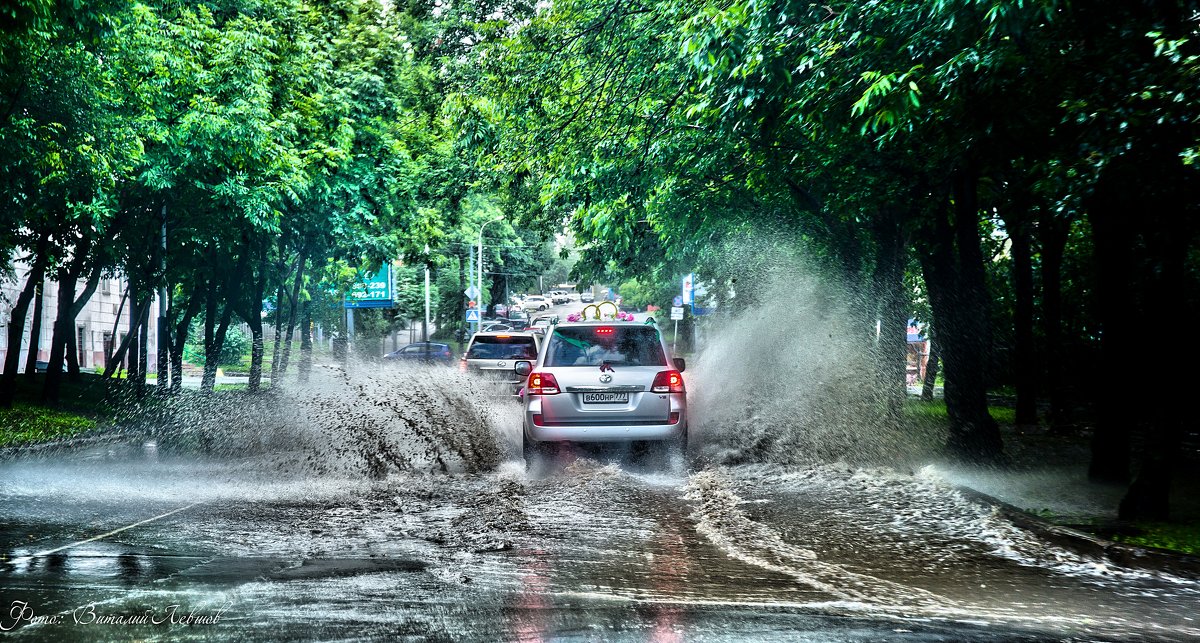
605,398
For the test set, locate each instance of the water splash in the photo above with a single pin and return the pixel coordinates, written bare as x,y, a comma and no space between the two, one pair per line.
358,420
793,379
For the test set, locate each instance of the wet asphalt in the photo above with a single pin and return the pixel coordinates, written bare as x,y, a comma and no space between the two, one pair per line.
372,506
583,546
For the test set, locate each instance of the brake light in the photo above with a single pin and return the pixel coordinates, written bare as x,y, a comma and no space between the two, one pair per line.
462,365
503,336
542,384
674,417
667,382
604,330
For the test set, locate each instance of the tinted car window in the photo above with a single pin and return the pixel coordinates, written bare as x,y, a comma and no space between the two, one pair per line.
502,348
595,345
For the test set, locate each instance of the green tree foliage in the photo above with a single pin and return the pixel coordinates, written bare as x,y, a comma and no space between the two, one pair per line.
986,149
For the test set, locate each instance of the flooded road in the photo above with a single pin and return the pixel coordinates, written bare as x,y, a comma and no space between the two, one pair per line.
369,506
120,541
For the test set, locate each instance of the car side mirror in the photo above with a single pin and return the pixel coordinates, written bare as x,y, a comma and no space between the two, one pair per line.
522,368
680,365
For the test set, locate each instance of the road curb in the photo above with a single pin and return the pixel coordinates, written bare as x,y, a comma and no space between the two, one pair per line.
1080,542
38,449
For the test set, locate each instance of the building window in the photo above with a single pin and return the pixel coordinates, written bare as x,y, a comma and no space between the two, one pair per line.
80,347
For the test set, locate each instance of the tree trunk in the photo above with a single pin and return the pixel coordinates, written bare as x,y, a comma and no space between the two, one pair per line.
143,353
888,286
1148,498
1053,232
292,301
1116,415
64,324
16,324
954,274
35,333
306,346
211,350
1168,229
182,330
118,356
214,332
277,350
253,318
931,369
135,344
1025,353
108,354
77,307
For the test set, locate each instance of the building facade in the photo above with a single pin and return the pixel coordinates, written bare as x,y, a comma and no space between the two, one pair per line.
99,329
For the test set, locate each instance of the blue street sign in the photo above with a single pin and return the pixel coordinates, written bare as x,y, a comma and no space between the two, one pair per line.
678,300
473,315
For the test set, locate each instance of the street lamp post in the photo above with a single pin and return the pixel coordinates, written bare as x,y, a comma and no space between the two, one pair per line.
479,282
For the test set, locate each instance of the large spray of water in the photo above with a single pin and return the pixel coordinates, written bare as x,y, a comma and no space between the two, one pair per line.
794,377
365,419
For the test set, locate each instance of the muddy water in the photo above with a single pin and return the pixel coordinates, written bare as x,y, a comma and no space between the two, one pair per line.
370,505
588,548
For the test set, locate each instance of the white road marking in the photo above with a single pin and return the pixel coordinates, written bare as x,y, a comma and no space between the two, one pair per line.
104,535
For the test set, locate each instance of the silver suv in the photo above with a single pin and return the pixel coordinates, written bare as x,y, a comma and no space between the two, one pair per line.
494,354
603,382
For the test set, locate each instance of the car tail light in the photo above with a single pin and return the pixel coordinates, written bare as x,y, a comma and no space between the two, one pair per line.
542,384
674,418
537,420
604,330
462,365
667,382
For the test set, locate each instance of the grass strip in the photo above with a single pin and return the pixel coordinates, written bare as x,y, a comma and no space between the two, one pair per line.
26,424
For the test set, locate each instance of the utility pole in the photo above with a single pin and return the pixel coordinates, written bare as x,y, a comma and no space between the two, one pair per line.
164,333
471,272
480,283
425,325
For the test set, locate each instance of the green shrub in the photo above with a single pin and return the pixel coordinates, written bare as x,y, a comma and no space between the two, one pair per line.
1176,537
24,424
236,345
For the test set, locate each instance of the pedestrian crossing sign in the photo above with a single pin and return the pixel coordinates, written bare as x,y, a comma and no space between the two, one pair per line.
473,315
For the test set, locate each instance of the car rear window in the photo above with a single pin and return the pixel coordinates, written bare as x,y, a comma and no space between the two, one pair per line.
595,345
501,347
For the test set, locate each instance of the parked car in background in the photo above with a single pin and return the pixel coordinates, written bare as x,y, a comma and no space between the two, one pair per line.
497,326
494,354
536,302
430,352
586,297
559,296
540,324
517,316
603,382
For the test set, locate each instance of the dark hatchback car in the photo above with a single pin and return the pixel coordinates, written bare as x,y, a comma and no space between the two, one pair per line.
429,352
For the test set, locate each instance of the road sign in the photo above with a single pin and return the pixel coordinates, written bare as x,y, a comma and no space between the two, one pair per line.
688,290
678,300
677,312
371,291
471,292
473,315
